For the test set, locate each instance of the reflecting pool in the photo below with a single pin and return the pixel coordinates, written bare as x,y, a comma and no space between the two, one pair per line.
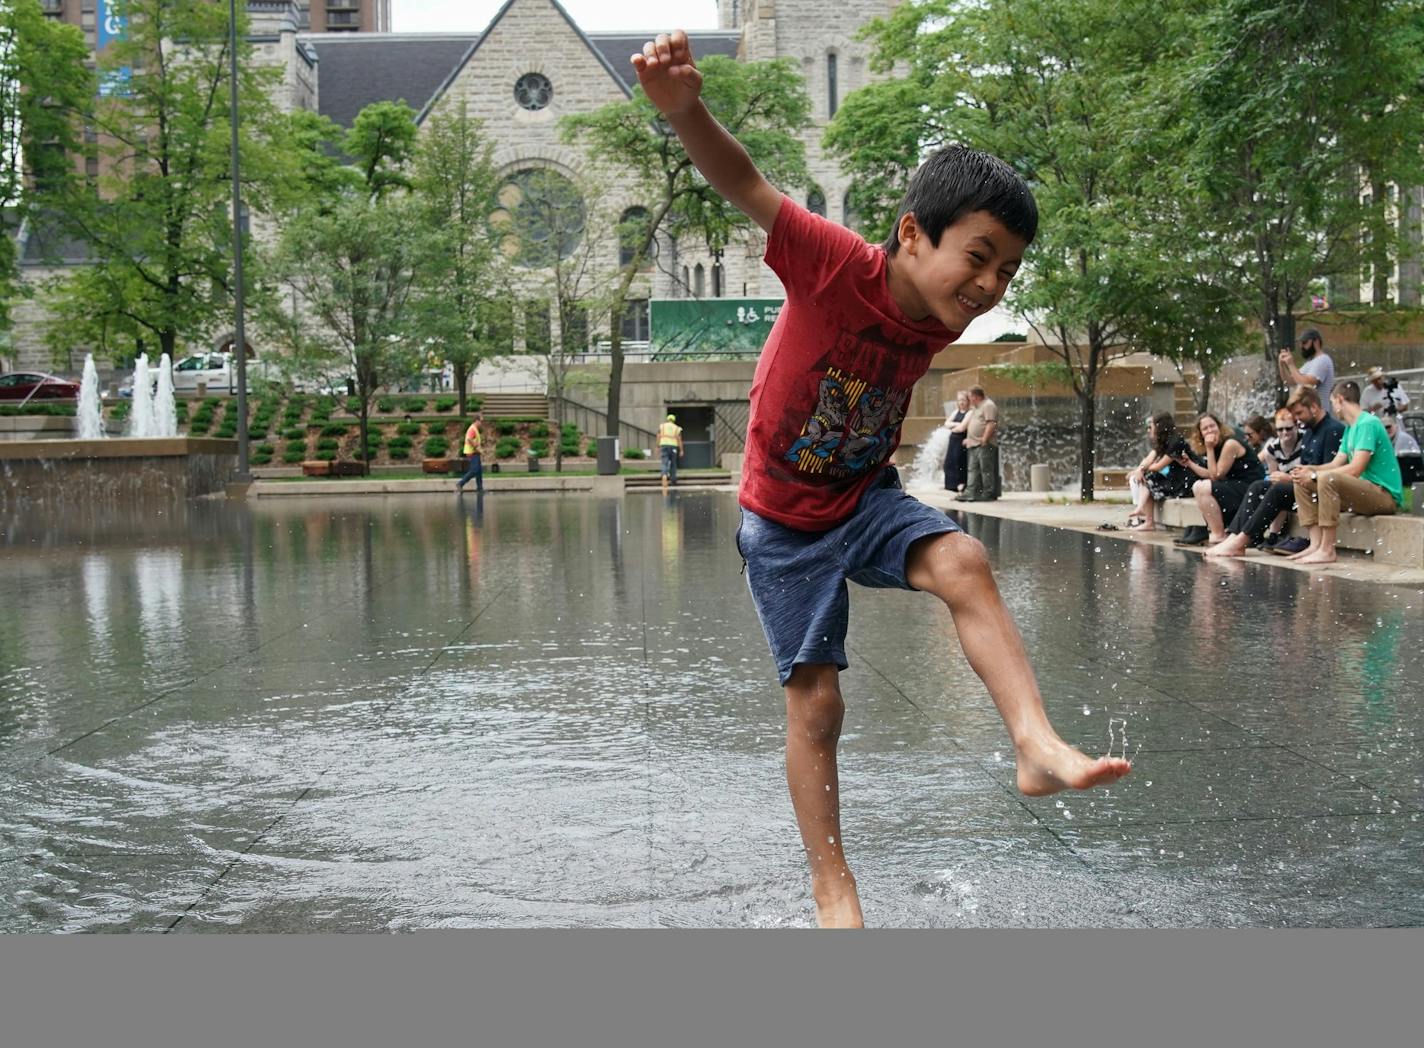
386,714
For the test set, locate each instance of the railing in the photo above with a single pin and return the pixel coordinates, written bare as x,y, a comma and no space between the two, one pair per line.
594,423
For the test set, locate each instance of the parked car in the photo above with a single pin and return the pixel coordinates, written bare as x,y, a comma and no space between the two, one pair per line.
215,371
35,385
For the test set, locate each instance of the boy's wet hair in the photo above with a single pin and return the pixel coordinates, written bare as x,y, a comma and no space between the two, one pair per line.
958,181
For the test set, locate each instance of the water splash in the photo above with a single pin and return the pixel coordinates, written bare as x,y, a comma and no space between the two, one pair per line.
141,416
89,420
165,411
927,471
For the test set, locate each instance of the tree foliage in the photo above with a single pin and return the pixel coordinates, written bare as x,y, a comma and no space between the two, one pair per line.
1057,89
1290,111
159,227
763,104
44,89
462,292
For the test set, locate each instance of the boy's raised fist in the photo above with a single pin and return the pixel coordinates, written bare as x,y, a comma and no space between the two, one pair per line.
667,73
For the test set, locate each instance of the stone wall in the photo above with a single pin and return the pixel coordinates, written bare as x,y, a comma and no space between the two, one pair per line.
60,475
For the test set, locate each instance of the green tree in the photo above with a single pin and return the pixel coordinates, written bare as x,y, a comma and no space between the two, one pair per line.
1056,88
344,273
44,89
1295,110
159,228
464,280
763,104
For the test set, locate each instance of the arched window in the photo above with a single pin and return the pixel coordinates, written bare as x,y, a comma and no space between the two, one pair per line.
699,281
716,279
832,85
816,202
632,227
686,281
851,219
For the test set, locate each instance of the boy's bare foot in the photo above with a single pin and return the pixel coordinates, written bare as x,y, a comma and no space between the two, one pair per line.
839,909
1234,546
1144,526
1047,767
1318,557
1309,551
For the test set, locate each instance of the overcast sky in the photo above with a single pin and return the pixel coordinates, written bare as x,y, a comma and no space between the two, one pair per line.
455,16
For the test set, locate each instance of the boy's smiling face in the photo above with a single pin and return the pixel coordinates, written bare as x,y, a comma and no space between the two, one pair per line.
962,277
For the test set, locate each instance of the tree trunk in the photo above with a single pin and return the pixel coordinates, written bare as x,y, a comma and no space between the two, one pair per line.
365,391
1202,399
1087,435
462,379
615,364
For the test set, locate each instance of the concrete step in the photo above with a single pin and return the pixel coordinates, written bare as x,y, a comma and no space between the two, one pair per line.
514,405
653,479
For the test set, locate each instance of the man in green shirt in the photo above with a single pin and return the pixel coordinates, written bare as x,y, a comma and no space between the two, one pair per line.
1363,477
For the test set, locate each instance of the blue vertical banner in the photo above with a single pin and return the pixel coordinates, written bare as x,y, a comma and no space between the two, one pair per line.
111,23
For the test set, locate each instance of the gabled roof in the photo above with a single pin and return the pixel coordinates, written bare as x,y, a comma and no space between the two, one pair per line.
617,47
356,69
449,80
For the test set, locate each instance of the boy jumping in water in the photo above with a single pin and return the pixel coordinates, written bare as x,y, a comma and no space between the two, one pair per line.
819,506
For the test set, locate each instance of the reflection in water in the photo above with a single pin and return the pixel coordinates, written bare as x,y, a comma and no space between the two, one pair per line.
422,712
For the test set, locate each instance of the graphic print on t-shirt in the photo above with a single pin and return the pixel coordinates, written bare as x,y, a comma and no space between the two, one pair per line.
853,427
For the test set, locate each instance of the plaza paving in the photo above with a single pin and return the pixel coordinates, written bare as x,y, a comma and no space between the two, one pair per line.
391,714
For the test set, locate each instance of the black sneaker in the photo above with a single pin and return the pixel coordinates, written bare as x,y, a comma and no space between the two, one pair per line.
1287,547
1269,541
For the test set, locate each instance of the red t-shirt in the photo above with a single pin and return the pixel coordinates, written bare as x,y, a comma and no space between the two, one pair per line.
835,376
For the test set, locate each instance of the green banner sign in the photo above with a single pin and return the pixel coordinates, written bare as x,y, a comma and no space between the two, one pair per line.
709,328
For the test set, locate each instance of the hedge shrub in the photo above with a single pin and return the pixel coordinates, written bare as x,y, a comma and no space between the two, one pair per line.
334,429
539,429
436,447
446,403
408,429
386,405
328,444
635,453
295,453
506,448
414,404
505,427
325,455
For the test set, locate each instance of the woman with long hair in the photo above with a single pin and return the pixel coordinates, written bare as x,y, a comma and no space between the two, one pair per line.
1158,476
1225,468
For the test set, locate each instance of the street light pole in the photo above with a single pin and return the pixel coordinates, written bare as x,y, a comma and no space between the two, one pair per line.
239,338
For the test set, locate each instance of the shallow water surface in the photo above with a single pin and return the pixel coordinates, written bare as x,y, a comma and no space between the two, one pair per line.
391,714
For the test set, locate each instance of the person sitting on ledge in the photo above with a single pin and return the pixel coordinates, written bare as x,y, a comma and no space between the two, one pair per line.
1227,469
1363,477
1258,431
1316,438
1158,477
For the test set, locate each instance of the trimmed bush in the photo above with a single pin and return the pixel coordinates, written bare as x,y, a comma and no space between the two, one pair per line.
265,449
120,411
505,427
506,449
295,433
634,453
327,455
446,403
436,447
399,441
294,453
414,404
539,429
569,450
539,447
408,429
334,429
51,410
261,459
328,444
568,431
353,405
398,453
436,429
386,405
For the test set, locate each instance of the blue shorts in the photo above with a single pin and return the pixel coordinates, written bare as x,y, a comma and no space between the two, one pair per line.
798,578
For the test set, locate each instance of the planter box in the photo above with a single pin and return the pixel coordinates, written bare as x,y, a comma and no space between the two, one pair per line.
316,468
436,466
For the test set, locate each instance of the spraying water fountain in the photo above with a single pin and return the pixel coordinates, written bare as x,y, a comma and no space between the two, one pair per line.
927,471
150,464
165,411
89,420
141,414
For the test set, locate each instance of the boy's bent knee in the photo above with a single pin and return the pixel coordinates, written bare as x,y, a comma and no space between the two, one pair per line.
813,700
951,559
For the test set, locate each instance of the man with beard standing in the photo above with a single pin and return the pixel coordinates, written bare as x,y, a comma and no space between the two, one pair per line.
1318,370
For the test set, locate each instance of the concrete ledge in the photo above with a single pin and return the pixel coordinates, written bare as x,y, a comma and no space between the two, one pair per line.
536,482
1395,539
117,447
